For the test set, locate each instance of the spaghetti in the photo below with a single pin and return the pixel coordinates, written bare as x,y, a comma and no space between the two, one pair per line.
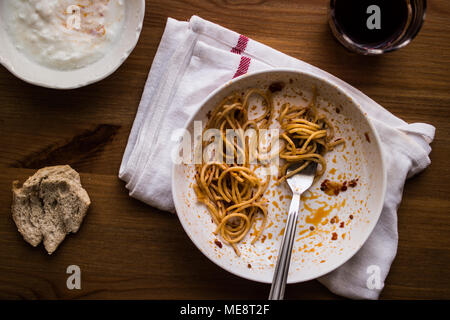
307,135
232,191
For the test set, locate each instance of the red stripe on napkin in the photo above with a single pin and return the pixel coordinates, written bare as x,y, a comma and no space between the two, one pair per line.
241,45
243,67
244,64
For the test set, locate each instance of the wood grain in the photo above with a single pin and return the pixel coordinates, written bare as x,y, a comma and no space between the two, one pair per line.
127,249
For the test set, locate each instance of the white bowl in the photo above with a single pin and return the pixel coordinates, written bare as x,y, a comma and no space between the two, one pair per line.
314,253
29,71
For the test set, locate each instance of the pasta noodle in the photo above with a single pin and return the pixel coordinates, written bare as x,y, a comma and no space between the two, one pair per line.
231,190
307,135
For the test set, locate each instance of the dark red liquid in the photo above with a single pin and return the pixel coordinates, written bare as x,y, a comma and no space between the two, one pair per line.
351,17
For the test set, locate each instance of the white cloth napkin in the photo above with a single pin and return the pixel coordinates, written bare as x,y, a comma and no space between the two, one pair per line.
196,57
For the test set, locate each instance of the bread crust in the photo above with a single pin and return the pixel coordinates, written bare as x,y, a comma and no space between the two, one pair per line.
49,205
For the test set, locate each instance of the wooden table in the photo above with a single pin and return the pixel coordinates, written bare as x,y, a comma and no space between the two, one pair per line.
127,249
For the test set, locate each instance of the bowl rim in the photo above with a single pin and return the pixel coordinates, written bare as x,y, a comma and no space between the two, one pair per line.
377,141
4,61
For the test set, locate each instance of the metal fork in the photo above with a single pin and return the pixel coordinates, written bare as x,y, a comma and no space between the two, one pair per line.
299,183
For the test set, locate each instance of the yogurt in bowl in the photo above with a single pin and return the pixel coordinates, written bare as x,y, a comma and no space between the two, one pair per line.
67,44
64,34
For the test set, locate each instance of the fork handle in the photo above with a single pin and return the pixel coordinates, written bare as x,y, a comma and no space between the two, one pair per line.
284,256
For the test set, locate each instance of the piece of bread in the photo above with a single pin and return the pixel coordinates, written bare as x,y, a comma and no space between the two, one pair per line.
49,205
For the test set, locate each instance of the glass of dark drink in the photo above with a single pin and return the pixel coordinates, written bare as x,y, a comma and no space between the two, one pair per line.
374,27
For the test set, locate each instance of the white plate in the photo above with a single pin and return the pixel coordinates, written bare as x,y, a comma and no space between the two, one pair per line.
314,253
31,72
